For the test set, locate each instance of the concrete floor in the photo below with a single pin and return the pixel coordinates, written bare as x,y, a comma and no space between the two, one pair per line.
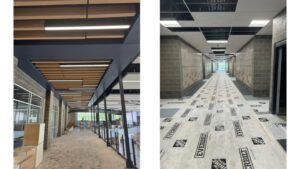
217,128
81,149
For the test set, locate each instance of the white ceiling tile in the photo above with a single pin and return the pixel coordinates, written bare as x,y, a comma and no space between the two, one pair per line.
235,42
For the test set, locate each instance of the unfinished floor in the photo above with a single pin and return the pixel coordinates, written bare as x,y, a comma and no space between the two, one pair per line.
217,128
81,149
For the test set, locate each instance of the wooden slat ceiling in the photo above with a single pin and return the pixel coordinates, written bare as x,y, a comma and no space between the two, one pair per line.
31,16
85,78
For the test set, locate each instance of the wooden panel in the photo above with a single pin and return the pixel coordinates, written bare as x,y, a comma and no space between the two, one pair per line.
113,1
32,25
110,11
76,12
42,35
48,2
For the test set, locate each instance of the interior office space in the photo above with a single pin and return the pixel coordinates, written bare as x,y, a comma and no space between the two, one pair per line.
76,75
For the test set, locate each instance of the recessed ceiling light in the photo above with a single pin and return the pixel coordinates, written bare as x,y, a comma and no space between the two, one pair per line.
171,23
259,23
65,80
217,41
84,65
68,28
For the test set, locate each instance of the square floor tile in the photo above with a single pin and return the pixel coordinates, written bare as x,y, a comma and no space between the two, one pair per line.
180,143
257,140
218,164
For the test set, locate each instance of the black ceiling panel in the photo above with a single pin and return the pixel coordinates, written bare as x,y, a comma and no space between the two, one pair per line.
245,30
212,5
219,52
185,29
218,48
172,6
176,16
216,33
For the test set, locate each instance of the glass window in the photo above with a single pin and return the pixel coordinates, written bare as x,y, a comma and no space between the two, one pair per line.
20,115
27,109
34,115
21,94
35,100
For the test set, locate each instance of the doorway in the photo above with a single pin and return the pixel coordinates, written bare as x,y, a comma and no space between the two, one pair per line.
279,80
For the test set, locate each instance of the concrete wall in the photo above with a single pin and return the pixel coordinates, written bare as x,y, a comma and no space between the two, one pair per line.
253,65
279,34
207,66
192,71
170,67
230,66
180,67
51,100
262,65
244,68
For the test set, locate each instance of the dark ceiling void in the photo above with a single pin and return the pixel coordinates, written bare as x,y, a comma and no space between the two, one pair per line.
176,16
186,29
173,6
245,30
219,52
216,33
216,48
212,5
174,10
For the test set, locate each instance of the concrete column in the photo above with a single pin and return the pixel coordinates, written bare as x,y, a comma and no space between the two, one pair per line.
98,121
106,120
47,119
59,133
128,159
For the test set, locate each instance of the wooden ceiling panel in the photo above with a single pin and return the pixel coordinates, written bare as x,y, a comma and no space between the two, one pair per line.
32,25
48,2
43,35
113,1
89,75
111,11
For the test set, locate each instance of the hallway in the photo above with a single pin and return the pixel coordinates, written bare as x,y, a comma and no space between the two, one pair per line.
217,128
81,149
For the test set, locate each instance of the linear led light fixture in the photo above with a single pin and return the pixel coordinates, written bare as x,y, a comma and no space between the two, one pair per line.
84,65
65,80
200,54
95,27
218,50
259,23
170,23
217,41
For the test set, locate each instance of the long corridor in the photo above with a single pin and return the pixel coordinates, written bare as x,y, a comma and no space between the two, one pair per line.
217,128
81,149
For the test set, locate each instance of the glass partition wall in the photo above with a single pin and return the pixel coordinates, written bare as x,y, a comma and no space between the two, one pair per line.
27,109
